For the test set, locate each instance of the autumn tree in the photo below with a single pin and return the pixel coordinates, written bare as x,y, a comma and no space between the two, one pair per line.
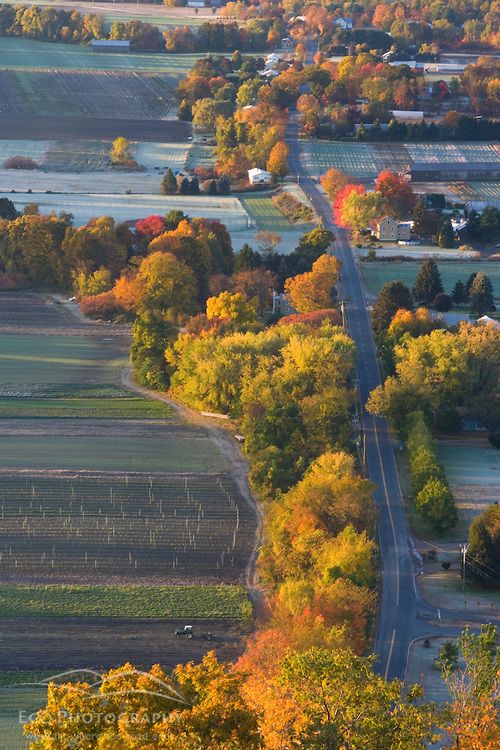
236,308
277,163
258,284
121,151
168,284
334,180
198,706
315,289
474,687
335,701
398,193
356,209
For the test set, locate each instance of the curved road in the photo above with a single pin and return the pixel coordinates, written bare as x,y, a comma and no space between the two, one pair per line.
404,616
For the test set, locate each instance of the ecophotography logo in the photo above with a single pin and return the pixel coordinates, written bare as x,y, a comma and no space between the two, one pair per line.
103,702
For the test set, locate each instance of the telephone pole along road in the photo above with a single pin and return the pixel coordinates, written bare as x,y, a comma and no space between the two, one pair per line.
403,616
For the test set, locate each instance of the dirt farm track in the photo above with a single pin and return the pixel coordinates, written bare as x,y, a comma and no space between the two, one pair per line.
47,127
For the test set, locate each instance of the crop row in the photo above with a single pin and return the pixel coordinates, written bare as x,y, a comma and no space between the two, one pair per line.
123,527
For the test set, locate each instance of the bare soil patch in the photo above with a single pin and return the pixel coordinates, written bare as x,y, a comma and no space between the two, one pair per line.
47,127
102,643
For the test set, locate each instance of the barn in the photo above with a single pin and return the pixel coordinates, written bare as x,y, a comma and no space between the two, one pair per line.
110,45
454,171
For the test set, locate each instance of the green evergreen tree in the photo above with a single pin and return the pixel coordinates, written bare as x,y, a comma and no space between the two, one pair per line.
393,296
459,293
247,259
490,224
446,235
481,295
428,283
168,184
7,209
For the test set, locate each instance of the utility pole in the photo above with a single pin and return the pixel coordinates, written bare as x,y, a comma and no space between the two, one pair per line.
342,310
463,550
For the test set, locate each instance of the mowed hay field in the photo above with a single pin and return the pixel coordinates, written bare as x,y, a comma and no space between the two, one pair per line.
375,275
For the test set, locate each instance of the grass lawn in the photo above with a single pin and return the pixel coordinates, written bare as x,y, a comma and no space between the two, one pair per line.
444,589
420,669
126,601
375,275
473,471
158,451
26,358
29,53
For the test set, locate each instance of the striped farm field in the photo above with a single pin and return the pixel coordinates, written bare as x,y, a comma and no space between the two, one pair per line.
89,93
58,527
21,54
366,160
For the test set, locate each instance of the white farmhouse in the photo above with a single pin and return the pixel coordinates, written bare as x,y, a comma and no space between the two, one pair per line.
258,176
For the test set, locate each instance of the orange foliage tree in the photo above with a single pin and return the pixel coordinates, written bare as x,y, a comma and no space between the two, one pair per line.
314,290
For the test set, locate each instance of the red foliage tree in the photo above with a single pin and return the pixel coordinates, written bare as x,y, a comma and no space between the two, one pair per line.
398,193
150,227
340,198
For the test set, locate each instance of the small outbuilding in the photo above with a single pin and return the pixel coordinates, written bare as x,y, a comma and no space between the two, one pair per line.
258,176
110,45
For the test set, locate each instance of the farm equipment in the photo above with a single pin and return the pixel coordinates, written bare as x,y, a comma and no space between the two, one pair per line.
185,632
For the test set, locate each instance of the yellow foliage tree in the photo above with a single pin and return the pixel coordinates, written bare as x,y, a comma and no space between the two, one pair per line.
234,307
120,151
277,163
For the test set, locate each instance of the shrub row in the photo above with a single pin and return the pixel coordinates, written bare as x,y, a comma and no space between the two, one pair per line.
431,493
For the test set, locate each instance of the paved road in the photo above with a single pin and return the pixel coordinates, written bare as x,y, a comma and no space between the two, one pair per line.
404,616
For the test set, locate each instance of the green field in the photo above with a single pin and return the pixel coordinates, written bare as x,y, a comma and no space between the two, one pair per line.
77,401
157,451
28,358
264,212
177,602
30,54
375,275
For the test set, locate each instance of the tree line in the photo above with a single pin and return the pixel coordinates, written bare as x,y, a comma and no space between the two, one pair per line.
50,24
